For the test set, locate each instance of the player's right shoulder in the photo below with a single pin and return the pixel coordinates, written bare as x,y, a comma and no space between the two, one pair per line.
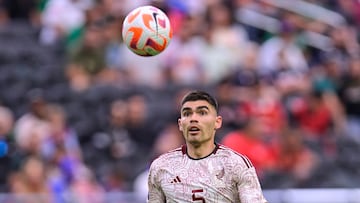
170,155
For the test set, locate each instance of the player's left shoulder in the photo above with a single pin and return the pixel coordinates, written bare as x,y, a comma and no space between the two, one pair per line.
235,157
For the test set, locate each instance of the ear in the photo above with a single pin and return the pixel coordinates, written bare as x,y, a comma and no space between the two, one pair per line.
179,124
218,122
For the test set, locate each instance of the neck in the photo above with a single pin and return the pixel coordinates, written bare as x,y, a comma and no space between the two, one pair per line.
200,151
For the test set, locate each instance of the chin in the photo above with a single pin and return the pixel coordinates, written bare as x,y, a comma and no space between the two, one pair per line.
194,142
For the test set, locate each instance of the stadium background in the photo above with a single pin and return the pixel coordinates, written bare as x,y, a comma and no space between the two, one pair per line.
81,117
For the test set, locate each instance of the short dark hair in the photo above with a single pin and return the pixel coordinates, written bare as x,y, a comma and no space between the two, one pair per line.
200,95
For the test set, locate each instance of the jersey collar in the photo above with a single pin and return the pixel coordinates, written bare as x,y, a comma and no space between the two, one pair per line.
184,151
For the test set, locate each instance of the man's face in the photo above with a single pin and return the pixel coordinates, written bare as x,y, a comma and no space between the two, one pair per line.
198,122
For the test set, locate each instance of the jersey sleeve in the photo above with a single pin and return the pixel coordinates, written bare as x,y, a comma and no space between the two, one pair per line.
156,194
248,185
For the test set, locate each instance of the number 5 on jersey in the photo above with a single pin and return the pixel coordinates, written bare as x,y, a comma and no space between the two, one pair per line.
196,196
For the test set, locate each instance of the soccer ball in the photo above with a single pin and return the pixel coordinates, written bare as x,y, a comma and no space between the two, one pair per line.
146,31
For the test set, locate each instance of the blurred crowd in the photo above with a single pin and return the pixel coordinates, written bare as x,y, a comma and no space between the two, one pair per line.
88,116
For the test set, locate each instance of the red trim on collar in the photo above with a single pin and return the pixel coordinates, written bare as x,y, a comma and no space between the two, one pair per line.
183,149
216,148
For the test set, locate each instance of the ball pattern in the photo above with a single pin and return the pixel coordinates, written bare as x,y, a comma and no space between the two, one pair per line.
147,31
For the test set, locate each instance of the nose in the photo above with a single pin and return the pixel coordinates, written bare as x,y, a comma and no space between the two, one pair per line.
194,118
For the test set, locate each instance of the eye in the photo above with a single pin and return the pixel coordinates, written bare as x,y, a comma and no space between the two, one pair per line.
203,113
186,113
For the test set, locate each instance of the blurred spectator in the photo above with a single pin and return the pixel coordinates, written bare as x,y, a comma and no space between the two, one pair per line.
350,97
326,81
345,46
182,59
61,149
350,10
227,41
247,139
228,108
139,125
57,183
87,61
61,135
61,19
7,148
315,117
85,188
295,157
21,10
296,161
32,127
4,17
121,154
267,107
122,144
90,54
282,51
215,59
288,82
327,77
112,35
79,79
31,179
115,73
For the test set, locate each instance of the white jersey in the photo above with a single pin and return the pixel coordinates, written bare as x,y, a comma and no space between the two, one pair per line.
223,176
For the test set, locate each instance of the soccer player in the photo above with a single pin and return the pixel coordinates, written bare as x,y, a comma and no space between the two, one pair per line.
202,171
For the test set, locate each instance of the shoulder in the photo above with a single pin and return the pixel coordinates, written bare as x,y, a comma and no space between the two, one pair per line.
234,157
167,158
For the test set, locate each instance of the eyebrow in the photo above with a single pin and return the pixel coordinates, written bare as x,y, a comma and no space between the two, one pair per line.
197,108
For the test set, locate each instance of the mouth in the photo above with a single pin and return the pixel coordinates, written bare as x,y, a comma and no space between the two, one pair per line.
194,130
